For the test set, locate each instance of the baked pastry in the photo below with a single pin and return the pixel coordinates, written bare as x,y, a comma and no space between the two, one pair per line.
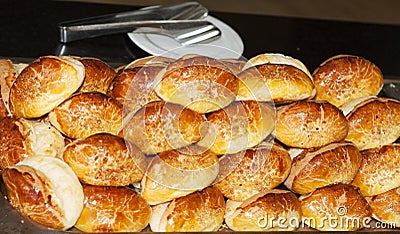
274,210
235,65
307,124
85,114
197,82
255,170
98,75
373,121
386,207
238,127
44,84
21,138
275,77
177,173
318,167
161,126
339,207
105,159
379,171
113,209
201,211
343,78
45,189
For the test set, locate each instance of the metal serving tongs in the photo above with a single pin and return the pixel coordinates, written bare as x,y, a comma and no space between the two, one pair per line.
186,17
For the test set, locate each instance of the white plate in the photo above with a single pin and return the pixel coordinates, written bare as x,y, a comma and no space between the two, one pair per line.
229,45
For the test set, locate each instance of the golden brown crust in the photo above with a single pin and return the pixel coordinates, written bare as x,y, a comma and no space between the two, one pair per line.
339,207
319,167
235,65
106,160
85,114
379,171
8,74
345,77
386,206
261,212
374,122
307,124
113,209
98,75
245,174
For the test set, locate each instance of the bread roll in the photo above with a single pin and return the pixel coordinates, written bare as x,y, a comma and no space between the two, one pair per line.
201,211
235,65
197,82
45,189
274,210
339,207
44,84
85,114
379,171
161,126
105,159
342,78
21,138
386,206
373,121
247,173
176,173
98,75
319,167
307,124
113,209
238,127
275,77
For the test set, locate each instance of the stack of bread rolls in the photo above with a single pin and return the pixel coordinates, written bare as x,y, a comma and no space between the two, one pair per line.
199,144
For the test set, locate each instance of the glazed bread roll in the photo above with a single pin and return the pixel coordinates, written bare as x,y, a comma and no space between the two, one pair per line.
274,210
45,189
177,173
386,206
275,77
161,126
379,171
113,209
98,75
21,138
307,124
238,127
247,173
44,84
319,167
197,82
373,121
339,207
85,114
201,211
105,159
235,65
343,78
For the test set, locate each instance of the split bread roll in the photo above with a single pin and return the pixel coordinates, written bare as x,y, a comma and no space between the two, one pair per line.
339,207
98,75
85,114
105,159
113,209
318,167
200,211
379,171
161,126
238,127
343,78
44,84
177,173
200,83
307,124
275,77
373,121
45,189
255,170
21,138
386,206
274,210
